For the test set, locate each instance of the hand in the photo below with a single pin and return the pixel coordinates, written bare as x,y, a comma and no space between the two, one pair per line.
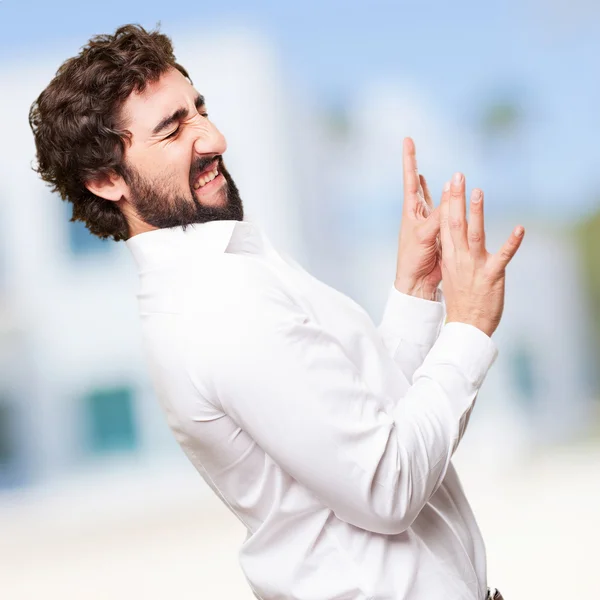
418,268
473,279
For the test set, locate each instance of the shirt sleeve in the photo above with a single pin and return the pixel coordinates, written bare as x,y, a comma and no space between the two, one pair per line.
375,460
409,328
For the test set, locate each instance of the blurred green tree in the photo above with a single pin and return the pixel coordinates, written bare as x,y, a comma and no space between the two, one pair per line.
588,237
501,118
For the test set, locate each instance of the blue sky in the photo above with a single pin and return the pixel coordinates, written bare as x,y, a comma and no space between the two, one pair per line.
462,53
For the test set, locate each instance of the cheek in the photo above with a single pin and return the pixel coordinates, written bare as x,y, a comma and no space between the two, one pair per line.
173,166
169,170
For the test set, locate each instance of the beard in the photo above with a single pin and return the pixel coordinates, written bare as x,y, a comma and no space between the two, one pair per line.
160,204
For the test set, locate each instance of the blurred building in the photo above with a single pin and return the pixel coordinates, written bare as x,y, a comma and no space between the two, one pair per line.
316,151
327,188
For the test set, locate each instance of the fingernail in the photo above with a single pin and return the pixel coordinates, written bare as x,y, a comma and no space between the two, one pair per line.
476,197
447,186
519,231
457,178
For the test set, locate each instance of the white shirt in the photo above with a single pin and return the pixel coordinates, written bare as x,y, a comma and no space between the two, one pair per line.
328,437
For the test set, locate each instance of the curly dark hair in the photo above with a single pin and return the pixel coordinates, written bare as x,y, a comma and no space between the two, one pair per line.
77,125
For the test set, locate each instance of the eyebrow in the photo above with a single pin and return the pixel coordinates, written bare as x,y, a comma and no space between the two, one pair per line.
178,115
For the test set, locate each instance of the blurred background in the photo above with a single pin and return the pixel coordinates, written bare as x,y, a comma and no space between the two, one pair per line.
96,499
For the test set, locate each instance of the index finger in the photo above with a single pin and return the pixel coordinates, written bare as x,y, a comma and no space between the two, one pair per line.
410,172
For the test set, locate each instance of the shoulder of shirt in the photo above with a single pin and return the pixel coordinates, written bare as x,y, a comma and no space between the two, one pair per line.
229,303
230,281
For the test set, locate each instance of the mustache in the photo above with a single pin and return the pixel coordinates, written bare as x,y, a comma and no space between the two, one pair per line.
200,164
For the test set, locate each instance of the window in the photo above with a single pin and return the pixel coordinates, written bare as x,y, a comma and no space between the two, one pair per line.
12,467
81,241
523,374
110,420
7,449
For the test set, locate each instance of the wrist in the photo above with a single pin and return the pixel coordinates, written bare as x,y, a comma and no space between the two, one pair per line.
481,324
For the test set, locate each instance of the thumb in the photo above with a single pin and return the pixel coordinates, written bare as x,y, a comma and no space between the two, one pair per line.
431,226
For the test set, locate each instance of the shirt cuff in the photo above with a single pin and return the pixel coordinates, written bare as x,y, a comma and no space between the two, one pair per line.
412,319
467,348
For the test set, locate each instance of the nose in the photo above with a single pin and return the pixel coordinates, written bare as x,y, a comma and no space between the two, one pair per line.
210,140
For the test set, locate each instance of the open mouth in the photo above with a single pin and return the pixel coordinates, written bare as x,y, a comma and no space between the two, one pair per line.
207,176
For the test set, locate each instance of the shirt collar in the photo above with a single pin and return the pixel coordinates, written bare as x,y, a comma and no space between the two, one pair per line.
159,246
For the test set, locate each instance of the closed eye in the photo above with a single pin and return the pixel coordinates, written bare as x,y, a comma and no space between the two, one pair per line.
172,135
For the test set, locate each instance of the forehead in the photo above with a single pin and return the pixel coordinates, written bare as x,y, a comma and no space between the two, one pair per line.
142,111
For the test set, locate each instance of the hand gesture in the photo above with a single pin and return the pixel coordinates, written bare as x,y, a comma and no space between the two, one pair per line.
473,279
418,267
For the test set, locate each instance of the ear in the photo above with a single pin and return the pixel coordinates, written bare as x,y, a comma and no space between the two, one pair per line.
110,187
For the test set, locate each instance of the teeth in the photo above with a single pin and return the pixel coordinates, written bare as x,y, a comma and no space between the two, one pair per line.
206,179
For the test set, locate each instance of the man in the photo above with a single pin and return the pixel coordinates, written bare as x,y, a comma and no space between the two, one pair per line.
328,437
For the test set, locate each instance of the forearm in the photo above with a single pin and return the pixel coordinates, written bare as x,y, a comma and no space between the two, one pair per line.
409,327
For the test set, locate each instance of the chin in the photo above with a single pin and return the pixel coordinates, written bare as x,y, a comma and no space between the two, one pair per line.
217,198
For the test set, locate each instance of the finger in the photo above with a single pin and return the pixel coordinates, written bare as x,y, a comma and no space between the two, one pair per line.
445,236
501,259
426,192
457,219
475,227
410,173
